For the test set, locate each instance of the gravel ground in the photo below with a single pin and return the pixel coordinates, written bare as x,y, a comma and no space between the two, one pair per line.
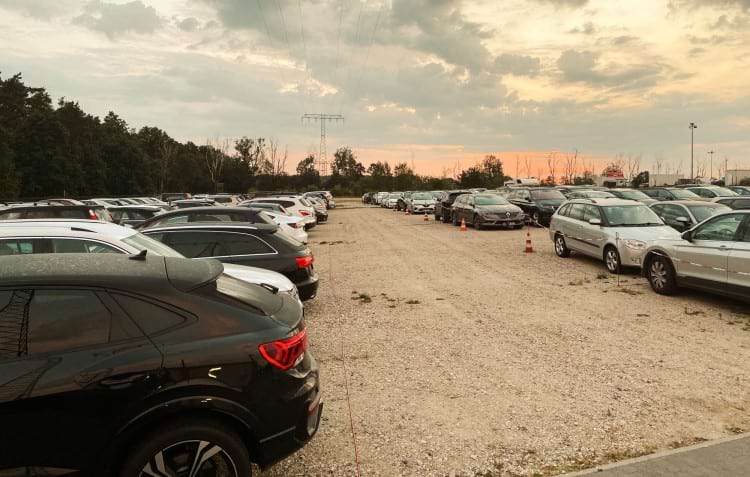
466,357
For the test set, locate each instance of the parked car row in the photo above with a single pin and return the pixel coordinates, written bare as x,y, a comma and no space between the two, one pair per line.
175,347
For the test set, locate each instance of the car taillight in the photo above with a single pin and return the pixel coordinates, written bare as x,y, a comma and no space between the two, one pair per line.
283,354
92,215
304,213
304,262
294,225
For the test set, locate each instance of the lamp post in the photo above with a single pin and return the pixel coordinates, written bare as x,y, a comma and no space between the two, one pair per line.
693,126
711,174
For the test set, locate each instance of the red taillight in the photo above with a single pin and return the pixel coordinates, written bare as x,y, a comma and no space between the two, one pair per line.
293,225
92,215
304,213
304,262
283,354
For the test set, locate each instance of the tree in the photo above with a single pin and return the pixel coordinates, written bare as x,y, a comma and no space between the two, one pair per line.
345,164
307,173
570,167
215,153
381,177
404,177
252,153
276,163
492,169
472,177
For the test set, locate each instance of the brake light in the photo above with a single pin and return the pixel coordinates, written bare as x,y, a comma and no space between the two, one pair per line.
304,262
304,213
293,225
283,354
92,215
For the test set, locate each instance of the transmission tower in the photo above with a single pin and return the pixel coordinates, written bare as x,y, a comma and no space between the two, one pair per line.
321,164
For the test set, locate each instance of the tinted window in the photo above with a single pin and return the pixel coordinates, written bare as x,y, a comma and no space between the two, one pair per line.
18,246
80,246
722,229
192,244
564,210
241,244
577,211
652,193
670,212
283,203
151,318
46,321
741,204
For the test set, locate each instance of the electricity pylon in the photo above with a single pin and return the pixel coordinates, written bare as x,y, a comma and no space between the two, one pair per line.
322,163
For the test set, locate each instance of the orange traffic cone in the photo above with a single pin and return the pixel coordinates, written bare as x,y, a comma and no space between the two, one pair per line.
529,248
406,211
463,225
426,219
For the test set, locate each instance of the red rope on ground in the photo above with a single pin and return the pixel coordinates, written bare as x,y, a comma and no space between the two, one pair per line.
346,373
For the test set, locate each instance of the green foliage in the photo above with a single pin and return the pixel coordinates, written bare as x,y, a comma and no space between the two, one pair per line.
489,173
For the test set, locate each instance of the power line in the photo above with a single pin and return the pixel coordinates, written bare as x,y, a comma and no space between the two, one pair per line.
263,16
351,57
304,49
369,47
338,45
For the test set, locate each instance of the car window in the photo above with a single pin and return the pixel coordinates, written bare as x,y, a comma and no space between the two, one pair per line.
746,235
241,244
135,215
192,244
671,212
741,204
71,214
151,318
703,212
80,246
47,321
174,219
564,210
577,211
591,212
722,229
18,246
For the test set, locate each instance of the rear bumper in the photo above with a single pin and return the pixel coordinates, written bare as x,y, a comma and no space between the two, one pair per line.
308,288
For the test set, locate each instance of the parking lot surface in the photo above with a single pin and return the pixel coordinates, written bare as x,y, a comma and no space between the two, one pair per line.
464,356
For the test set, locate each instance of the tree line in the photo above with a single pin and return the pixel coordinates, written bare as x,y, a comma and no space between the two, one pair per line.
52,149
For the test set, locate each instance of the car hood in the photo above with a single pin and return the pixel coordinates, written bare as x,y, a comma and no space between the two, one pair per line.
259,276
423,201
646,234
500,209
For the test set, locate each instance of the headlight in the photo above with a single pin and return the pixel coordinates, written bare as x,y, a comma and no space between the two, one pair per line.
635,244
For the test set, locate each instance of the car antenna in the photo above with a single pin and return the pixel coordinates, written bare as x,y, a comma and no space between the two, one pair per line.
141,256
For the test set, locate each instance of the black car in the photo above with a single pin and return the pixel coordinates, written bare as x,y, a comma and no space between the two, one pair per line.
255,245
148,366
537,203
669,193
244,214
133,215
736,203
86,212
486,210
444,203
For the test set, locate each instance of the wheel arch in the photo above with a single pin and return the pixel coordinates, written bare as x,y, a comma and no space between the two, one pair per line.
650,254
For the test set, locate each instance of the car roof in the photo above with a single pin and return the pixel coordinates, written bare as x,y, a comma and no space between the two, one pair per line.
607,201
148,274
59,225
212,209
141,207
689,203
268,228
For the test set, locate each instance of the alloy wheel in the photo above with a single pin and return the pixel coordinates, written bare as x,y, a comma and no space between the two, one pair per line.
559,245
612,260
190,459
658,274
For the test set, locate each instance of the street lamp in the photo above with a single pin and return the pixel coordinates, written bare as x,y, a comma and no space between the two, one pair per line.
693,127
711,173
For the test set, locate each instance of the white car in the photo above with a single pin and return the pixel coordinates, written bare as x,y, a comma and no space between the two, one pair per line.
289,224
88,236
294,205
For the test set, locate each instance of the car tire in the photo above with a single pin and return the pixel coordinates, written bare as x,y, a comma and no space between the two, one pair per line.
535,219
612,259
661,275
478,225
186,440
561,248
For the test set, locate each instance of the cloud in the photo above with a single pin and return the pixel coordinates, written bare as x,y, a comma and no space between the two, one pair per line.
114,19
519,65
588,28
39,9
624,40
189,24
696,52
583,67
739,23
679,4
565,3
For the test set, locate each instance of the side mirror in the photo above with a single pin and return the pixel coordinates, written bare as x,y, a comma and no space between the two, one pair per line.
683,220
595,221
688,236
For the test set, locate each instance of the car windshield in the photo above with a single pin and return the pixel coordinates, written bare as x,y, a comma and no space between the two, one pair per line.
684,194
597,194
702,212
632,194
631,216
141,242
723,192
547,195
421,196
490,200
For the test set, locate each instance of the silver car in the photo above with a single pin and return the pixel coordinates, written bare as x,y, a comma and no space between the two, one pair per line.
713,256
616,231
421,203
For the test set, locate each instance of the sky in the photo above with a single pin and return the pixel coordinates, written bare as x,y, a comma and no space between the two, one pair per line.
434,83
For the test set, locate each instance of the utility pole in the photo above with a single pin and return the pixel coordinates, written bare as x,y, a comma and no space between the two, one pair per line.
711,173
322,163
693,127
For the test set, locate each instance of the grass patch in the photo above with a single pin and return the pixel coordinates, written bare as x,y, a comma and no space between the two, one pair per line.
628,291
694,312
413,302
363,298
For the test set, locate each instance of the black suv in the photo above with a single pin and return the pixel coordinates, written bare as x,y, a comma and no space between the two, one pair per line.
86,212
670,193
144,365
537,203
444,203
244,214
254,245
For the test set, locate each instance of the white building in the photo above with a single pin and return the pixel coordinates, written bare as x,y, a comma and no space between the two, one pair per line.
735,176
